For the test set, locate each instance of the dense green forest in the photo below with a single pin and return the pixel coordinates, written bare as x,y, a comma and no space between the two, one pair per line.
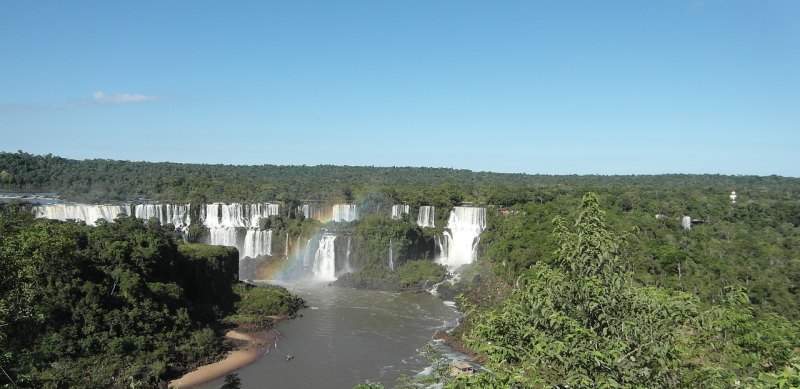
110,180
123,304
600,290
578,318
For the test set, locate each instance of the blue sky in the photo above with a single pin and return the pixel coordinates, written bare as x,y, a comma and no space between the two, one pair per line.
556,87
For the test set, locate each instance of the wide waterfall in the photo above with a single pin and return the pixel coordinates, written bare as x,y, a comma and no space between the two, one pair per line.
325,259
250,242
426,217
88,213
236,225
238,215
344,213
176,214
257,243
460,240
398,210
224,236
310,211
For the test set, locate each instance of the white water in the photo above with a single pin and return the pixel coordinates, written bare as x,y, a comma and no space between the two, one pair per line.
177,214
88,213
426,217
236,225
347,268
391,256
222,236
256,243
311,211
306,253
398,210
344,213
250,242
325,259
460,241
238,215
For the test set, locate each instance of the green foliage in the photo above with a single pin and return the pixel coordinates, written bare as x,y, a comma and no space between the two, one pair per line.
232,381
266,300
421,272
116,305
371,277
579,321
372,235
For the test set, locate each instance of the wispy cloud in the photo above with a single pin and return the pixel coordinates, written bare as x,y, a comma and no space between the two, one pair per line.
122,98
98,99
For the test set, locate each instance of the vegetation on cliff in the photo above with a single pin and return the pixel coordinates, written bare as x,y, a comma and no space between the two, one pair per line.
117,305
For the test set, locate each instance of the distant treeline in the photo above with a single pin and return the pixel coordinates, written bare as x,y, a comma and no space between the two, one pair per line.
110,180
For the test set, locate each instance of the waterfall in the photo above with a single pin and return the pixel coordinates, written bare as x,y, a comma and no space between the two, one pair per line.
257,243
344,213
176,214
441,245
426,216
307,253
391,255
325,259
686,222
88,213
238,215
222,236
398,210
250,242
347,258
460,241
310,211
286,248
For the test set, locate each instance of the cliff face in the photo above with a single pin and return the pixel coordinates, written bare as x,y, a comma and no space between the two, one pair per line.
208,272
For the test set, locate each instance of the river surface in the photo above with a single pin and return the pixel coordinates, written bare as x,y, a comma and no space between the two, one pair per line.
348,336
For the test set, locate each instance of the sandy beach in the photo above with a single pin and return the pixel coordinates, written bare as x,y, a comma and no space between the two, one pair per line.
258,343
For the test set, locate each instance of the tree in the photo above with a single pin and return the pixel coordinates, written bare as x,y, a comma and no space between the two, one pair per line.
232,381
579,322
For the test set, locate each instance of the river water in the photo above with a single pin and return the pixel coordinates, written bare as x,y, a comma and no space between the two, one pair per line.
348,336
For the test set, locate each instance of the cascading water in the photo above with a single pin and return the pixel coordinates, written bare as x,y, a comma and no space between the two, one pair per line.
398,210
88,213
391,256
347,268
236,225
238,215
460,241
426,216
306,253
325,259
310,211
344,213
286,247
176,214
223,237
257,243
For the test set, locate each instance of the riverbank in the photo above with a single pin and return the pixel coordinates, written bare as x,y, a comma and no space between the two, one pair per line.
250,346
460,346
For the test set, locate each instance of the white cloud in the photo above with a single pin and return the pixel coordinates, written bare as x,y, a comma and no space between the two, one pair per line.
120,98
98,99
